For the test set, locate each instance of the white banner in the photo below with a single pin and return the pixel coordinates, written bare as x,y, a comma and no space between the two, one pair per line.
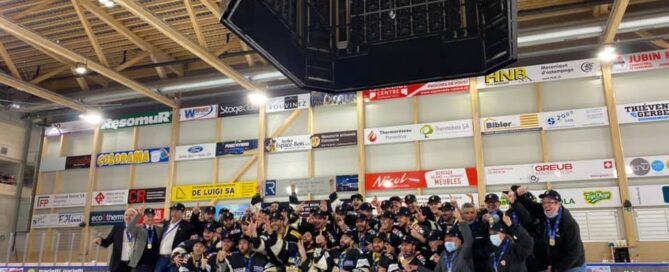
55,220
553,171
289,102
386,135
642,61
578,118
281,187
510,123
583,198
647,166
52,164
643,112
68,200
195,152
445,130
649,195
108,198
447,178
540,73
199,113
288,143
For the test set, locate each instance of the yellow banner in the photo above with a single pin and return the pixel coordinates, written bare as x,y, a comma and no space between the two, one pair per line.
245,189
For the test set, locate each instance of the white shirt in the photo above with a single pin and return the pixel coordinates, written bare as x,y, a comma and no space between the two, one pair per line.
168,239
126,250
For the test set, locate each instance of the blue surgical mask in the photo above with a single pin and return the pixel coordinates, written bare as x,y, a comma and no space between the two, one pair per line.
550,216
495,240
450,247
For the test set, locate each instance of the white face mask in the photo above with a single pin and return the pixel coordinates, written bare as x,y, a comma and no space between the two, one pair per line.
551,215
450,247
496,240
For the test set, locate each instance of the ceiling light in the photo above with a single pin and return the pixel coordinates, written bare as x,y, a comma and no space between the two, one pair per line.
559,35
80,68
110,4
15,106
92,117
270,75
53,131
102,2
607,54
258,97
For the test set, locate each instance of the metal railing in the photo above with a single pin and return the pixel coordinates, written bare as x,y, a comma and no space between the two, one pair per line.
51,248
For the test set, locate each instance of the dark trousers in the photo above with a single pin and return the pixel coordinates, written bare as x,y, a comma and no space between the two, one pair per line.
122,267
163,264
143,268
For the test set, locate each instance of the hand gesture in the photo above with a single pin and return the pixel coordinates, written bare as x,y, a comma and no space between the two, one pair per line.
420,216
203,264
507,220
300,207
97,241
405,263
292,188
521,190
435,258
375,202
457,215
333,185
454,202
302,251
323,206
141,209
252,229
179,260
415,233
220,257
471,197
196,210
486,218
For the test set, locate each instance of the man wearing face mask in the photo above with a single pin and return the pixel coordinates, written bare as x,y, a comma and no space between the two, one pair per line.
558,244
511,246
457,255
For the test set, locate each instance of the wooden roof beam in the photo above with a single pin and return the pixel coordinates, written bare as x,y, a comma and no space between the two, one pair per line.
612,24
659,42
33,38
211,6
89,33
8,61
185,42
196,25
51,74
40,92
157,55
32,10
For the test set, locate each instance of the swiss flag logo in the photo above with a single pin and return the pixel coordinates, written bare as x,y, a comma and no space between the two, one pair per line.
608,165
100,197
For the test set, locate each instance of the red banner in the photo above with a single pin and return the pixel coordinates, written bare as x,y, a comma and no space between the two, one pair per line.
438,87
395,180
441,178
160,215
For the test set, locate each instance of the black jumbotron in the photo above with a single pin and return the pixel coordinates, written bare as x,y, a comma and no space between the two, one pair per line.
349,45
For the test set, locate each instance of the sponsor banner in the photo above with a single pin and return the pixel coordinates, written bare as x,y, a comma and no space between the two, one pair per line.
149,195
386,135
438,87
75,162
138,119
57,220
58,129
553,171
108,198
106,218
347,183
214,191
540,73
52,164
459,177
422,199
510,123
236,108
157,219
649,195
290,102
579,118
316,186
238,210
141,156
643,112
288,143
198,113
67,200
648,166
195,152
445,130
395,180
330,99
642,61
583,198
334,139
242,147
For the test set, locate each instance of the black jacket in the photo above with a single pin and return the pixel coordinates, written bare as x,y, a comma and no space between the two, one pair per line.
253,262
520,246
568,251
114,237
183,232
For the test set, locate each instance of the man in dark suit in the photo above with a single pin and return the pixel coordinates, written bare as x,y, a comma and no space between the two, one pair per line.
123,243
147,241
175,231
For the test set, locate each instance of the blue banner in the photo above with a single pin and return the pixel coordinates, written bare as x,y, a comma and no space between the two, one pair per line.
141,156
106,218
237,209
347,183
236,147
